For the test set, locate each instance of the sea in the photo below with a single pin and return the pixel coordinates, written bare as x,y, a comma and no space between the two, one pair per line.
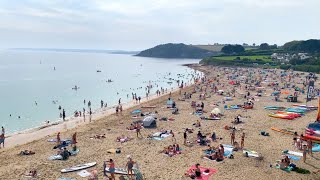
34,83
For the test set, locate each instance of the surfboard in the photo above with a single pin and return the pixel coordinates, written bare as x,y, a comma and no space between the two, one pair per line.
121,171
78,167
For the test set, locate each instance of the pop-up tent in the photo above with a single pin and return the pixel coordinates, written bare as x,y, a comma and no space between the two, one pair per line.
170,102
149,122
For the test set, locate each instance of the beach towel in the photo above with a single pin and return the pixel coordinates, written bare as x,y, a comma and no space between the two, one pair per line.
204,175
287,169
84,173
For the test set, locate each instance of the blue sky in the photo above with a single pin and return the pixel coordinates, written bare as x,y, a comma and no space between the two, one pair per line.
140,24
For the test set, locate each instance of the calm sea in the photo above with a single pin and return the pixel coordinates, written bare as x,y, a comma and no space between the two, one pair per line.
32,89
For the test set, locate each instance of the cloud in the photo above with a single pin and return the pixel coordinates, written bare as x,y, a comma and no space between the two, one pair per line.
138,24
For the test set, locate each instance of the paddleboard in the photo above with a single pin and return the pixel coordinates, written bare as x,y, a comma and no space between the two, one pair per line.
148,106
295,153
251,153
121,171
78,167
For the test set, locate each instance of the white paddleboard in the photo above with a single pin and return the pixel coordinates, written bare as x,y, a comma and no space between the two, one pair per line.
119,171
295,153
78,167
251,153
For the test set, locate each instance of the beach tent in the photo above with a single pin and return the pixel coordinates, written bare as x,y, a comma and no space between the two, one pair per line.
149,122
216,111
169,102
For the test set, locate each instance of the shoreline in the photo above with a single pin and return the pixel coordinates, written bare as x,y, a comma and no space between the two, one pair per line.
32,134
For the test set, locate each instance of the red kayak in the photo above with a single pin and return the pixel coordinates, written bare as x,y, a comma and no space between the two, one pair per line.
307,136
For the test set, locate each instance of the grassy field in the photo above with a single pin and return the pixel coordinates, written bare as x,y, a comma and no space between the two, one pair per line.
217,48
253,58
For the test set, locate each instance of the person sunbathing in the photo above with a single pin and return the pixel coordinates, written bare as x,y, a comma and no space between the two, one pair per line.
177,147
286,160
212,156
209,148
99,136
131,127
236,146
282,164
163,132
123,139
197,124
27,152
32,173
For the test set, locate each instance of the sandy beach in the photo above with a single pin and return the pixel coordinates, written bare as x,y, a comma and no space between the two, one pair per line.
155,165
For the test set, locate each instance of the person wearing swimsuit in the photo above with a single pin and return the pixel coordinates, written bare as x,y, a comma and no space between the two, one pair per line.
242,140
112,169
130,166
197,171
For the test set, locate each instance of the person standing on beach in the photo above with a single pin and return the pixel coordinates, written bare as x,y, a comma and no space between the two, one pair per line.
111,169
74,139
304,153
309,145
2,137
90,114
58,138
129,166
185,137
242,140
101,104
63,114
119,101
84,114
173,138
120,108
233,136
138,129
89,104
139,99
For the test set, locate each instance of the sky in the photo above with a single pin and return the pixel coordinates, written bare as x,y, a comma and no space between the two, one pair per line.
140,24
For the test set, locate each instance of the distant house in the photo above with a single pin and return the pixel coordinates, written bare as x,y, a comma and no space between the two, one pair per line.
286,57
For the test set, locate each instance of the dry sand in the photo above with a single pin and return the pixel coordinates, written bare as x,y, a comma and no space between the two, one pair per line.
155,165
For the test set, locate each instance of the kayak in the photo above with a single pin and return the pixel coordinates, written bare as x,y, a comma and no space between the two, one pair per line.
282,116
284,131
307,136
305,106
78,167
296,110
273,107
289,113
